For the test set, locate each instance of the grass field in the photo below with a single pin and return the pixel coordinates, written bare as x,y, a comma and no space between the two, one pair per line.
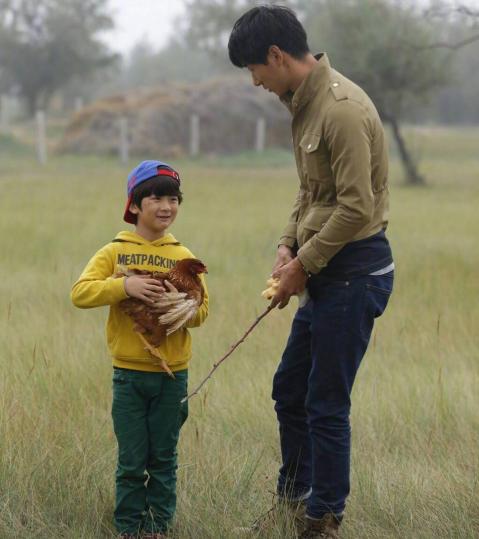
415,463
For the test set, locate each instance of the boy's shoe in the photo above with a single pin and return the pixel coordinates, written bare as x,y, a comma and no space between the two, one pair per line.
326,527
282,510
128,536
154,536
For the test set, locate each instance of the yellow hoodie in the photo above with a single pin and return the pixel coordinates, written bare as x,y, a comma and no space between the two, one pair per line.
96,287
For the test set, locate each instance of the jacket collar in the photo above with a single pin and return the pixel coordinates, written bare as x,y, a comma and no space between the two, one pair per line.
316,82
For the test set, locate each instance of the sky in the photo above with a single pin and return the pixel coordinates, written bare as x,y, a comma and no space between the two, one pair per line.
153,20
138,19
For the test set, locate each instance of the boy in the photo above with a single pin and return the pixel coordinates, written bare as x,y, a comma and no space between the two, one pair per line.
335,245
147,411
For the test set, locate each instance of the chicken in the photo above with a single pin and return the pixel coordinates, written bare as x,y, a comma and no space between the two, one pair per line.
270,292
155,321
273,286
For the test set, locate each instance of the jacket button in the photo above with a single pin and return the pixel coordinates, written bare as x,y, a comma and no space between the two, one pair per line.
335,84
309,146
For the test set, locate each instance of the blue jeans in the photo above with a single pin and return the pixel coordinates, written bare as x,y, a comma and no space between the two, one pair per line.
313,384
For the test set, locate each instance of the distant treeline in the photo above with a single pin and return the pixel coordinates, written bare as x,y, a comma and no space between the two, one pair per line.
373,36
418,61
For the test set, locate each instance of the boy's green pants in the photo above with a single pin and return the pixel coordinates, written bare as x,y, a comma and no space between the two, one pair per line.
147,417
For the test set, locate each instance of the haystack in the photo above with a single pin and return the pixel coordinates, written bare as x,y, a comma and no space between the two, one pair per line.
159,120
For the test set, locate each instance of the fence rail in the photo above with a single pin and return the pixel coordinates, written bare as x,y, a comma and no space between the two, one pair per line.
7,105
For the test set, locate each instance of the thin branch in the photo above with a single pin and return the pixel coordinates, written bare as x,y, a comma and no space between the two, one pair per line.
465,10
443,11
232,349
452,46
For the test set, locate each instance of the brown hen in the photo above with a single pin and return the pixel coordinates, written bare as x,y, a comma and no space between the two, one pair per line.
154,321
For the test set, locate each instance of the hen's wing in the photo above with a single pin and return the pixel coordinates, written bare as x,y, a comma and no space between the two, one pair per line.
145,319
171,311
175,309
142,314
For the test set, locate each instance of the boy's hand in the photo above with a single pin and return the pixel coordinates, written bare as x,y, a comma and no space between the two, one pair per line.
143,287
170,287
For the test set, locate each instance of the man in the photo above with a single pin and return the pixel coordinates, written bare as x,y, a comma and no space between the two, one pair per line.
334,244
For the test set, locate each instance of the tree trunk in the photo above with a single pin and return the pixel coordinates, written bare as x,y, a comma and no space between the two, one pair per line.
412,174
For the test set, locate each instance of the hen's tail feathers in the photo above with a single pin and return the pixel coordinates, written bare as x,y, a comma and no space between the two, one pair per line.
154,352
168,300
178,315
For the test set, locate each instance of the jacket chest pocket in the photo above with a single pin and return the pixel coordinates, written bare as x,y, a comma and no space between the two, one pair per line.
314,158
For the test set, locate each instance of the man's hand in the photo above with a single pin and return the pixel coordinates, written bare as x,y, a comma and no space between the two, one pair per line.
292,282
283,256
143,287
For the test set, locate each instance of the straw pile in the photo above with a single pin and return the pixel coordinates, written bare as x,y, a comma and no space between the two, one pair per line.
159,120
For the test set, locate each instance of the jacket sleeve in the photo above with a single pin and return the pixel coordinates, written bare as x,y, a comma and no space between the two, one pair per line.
289,237
347,131
97,286
202,313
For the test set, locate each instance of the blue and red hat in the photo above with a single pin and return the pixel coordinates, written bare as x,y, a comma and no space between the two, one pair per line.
144,171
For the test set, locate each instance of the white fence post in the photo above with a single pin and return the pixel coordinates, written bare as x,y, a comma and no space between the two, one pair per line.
78,104
260,138
194,135
124,148
4,114
41,137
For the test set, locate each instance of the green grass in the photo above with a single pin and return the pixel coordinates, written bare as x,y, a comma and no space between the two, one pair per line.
11,147
415,417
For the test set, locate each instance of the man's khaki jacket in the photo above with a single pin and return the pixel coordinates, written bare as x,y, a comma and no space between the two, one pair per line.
341,156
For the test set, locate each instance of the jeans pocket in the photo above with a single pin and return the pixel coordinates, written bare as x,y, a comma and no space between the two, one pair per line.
378,289
119,377
377,292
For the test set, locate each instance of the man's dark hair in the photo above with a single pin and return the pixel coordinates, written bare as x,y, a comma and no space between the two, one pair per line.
260,28
159,186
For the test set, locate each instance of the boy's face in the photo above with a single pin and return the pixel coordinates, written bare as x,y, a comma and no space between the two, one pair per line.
155,215
272,76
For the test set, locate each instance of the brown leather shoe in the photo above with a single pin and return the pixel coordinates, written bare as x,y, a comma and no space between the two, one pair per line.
154,536
281,512
326,527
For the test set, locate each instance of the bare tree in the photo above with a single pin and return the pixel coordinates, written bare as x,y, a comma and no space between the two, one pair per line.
46,43
389,47
453,17
370,42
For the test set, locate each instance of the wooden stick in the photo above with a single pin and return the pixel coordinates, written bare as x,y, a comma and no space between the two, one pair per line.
231,350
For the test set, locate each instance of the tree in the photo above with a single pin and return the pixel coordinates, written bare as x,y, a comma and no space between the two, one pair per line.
383,46
457,102
210,22
460,17
373,42
175,62
44,44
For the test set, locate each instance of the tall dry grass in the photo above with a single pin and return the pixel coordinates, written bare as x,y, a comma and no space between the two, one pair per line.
415,463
